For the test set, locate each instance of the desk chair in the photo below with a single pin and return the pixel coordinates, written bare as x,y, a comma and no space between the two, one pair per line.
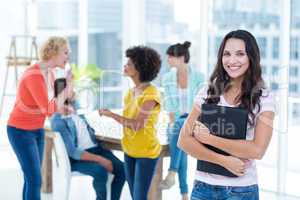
65,182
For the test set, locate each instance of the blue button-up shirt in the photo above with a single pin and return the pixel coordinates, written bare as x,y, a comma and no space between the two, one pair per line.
67,128
171,93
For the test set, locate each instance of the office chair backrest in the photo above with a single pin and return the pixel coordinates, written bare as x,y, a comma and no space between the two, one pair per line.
61,169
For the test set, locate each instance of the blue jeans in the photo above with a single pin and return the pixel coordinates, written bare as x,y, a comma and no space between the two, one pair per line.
100,174
204,191
28,146
139,173
178,161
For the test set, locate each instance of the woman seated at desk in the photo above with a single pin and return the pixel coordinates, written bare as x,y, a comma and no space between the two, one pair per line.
85,153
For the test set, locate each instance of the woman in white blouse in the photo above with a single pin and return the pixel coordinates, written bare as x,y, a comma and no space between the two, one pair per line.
236,82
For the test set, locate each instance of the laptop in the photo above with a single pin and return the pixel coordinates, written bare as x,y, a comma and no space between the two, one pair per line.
225,122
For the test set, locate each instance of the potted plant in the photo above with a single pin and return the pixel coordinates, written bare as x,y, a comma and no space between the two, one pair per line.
87,84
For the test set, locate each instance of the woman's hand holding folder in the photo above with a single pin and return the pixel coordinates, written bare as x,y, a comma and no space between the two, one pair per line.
201,132
235,165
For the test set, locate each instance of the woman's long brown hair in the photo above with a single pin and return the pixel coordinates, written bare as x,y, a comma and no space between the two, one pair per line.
252,83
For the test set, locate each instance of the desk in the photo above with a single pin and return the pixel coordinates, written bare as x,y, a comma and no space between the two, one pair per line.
110,142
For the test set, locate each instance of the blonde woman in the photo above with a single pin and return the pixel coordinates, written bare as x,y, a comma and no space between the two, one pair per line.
26,121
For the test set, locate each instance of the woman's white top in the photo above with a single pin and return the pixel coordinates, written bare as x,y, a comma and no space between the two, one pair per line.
250,178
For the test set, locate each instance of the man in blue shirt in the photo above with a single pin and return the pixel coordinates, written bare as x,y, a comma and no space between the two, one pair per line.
85,152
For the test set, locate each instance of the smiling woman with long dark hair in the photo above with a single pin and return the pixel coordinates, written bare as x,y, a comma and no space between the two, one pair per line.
252,84
235,82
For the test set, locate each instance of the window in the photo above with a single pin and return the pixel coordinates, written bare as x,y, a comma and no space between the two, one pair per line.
275,48
64,15
275,70
262,43
264,70
294,48
217,43
294,71
105,48
274,86
73,41
167,23
293,88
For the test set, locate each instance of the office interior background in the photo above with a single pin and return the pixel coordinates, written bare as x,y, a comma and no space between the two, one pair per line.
99,31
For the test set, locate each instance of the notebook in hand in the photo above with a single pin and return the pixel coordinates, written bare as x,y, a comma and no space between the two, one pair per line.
225,122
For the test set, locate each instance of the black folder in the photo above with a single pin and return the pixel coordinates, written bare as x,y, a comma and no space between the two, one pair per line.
225,122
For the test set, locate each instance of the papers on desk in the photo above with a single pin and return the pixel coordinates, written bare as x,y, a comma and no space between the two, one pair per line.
104,126
108,127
